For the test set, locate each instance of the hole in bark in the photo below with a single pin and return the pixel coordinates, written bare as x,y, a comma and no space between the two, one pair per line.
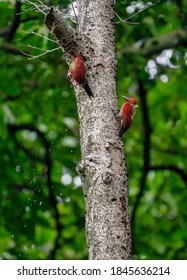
113,199
118,236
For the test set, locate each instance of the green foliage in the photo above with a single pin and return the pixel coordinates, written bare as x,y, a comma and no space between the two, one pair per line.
42,206
160,225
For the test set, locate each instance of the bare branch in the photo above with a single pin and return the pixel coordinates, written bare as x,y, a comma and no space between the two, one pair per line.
31,57
65,34
38,6
146,7
121,20
39,35
26,11
74,11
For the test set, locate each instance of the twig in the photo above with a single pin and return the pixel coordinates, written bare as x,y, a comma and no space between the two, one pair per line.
26,10
122,20
31,46
126,20
39,35
74,11
38,6
30,57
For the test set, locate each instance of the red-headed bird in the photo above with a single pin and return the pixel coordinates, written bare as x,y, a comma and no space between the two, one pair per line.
77,70
127,113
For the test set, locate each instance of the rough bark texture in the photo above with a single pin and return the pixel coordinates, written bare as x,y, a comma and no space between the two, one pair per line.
102,169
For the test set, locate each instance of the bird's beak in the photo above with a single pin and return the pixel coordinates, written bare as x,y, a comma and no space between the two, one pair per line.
125,97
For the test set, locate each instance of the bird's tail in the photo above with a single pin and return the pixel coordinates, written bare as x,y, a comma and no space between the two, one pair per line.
122,131
88,90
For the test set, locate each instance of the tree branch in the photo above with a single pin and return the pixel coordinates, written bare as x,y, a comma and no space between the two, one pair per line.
10,49
28,19
12,98
15,23
10,31
47,161
174,168
146,157
155,45
64,34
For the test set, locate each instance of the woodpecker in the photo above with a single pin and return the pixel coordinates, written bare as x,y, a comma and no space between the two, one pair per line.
77,71
127,113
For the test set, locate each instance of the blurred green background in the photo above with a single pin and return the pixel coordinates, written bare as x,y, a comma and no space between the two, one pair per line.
42,207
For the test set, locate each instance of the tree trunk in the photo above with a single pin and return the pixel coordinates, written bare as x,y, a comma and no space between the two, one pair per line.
102,168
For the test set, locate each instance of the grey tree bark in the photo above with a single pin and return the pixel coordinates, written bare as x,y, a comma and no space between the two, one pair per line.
102,168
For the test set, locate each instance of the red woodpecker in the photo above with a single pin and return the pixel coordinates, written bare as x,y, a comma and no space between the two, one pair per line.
77,70
127,113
